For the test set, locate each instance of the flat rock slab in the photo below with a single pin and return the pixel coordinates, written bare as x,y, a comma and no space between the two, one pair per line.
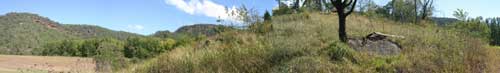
376,43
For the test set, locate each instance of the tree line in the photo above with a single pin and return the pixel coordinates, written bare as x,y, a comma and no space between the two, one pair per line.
134,47
109,53
487,28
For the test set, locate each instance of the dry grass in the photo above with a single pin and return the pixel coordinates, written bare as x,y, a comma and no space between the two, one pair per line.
298,44
45,64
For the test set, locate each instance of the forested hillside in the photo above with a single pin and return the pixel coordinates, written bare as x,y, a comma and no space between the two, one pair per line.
22,32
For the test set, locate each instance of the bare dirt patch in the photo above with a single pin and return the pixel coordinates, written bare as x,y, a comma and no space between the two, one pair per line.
45,64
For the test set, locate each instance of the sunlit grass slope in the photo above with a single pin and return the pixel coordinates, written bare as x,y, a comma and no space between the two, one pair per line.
307,42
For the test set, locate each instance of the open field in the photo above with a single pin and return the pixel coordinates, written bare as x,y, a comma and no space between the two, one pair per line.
45,64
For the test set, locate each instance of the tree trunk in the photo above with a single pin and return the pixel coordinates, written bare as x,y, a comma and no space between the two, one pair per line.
416,11
296,5
323,5
279,3
342,21
341,6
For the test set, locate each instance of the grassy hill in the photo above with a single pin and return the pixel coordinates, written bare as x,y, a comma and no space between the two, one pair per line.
21,32
308,42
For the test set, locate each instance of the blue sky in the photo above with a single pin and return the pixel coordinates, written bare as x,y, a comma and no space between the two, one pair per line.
148,16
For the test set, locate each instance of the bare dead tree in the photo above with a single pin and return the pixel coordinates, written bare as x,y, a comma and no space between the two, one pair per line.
341,6
426,7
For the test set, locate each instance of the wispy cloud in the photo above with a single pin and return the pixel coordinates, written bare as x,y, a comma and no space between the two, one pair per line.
204,7
135,27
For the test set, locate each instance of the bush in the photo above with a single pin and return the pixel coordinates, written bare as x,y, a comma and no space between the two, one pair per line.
282,10
62,48
107,52
340,52
146,47
262,27
473,27
108,56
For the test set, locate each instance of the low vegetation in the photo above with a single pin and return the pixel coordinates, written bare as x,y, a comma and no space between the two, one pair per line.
307,42
110,54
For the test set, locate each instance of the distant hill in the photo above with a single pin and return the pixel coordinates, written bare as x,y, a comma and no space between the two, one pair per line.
92,31
201,29
443,21
163,34
21,32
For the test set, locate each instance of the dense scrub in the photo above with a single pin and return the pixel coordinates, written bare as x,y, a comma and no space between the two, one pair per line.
22,32
109,54
147,47
307,42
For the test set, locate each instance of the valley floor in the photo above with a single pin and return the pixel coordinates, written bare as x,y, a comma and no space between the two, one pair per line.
37,64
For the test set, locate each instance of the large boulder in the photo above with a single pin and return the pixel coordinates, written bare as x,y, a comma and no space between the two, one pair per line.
376,43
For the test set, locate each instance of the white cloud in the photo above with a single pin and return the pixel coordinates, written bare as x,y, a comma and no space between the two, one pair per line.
204,7
135,27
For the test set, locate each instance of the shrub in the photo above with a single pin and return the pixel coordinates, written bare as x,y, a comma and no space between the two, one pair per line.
107,52
109,56
146,47
262,27
282,10
473,27
340,52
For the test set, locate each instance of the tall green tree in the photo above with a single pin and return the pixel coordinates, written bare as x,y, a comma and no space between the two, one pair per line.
408,10
494,24
267,16
282,9
403,10
364,5
344,9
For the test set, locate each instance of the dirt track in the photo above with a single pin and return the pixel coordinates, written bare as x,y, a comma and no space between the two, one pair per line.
44,64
